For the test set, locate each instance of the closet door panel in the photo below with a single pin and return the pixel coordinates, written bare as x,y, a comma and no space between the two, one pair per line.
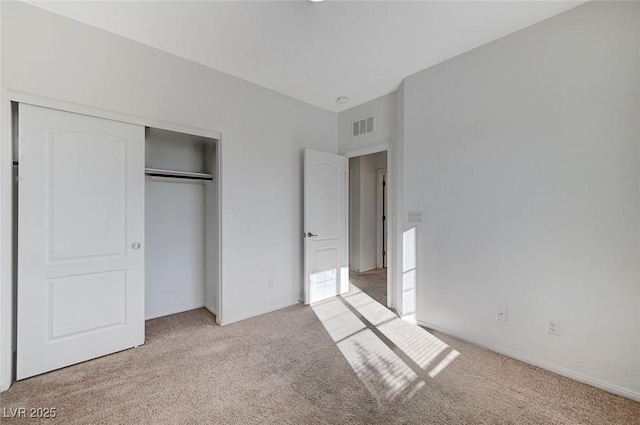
86,215
80,235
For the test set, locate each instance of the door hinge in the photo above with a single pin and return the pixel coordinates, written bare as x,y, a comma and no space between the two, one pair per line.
384,218
384,183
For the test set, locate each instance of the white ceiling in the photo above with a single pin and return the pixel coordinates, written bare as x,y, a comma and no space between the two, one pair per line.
314,52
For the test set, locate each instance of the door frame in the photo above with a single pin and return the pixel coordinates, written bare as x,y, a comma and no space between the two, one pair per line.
7,290
381,213
384,147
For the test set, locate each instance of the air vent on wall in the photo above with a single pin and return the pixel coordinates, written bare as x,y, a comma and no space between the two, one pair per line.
363,126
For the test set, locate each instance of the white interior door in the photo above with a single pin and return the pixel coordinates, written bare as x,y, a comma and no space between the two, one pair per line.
326,265
80,235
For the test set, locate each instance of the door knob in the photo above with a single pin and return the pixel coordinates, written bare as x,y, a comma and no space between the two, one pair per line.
311,235
136,245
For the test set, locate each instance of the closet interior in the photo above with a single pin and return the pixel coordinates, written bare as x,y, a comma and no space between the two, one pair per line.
181,223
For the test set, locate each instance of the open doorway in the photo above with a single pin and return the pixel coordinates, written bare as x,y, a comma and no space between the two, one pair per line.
368,204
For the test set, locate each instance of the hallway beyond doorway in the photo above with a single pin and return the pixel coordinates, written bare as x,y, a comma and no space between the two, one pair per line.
372,283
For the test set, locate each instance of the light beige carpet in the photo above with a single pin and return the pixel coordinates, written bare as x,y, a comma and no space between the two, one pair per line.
373,282
295,366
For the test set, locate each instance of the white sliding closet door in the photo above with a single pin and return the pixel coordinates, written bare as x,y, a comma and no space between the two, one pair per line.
80,235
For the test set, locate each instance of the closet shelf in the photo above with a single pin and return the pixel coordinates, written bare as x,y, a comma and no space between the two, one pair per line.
177,174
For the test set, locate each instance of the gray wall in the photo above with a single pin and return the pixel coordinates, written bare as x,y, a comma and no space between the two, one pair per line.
354,214
175,246
383,109
263,136
524,157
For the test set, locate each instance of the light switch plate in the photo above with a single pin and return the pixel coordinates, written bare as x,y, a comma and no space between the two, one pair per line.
415,217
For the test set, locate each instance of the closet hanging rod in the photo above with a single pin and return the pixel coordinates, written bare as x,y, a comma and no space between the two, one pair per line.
177,174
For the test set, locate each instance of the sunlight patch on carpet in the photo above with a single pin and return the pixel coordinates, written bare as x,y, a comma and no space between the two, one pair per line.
383,373
444,363
370,309
338,320
356,323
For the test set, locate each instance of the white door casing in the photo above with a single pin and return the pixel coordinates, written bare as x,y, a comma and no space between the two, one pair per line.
326,271
80,238
381,214
385,225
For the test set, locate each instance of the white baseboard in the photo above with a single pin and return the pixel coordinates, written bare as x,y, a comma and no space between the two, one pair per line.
4,386
249,315
174,311
614,389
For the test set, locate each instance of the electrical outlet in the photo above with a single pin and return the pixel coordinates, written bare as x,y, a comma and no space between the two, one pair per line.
502,314
271,282
553,327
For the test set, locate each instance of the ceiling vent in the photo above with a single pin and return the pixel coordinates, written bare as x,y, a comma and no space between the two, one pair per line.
363,126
